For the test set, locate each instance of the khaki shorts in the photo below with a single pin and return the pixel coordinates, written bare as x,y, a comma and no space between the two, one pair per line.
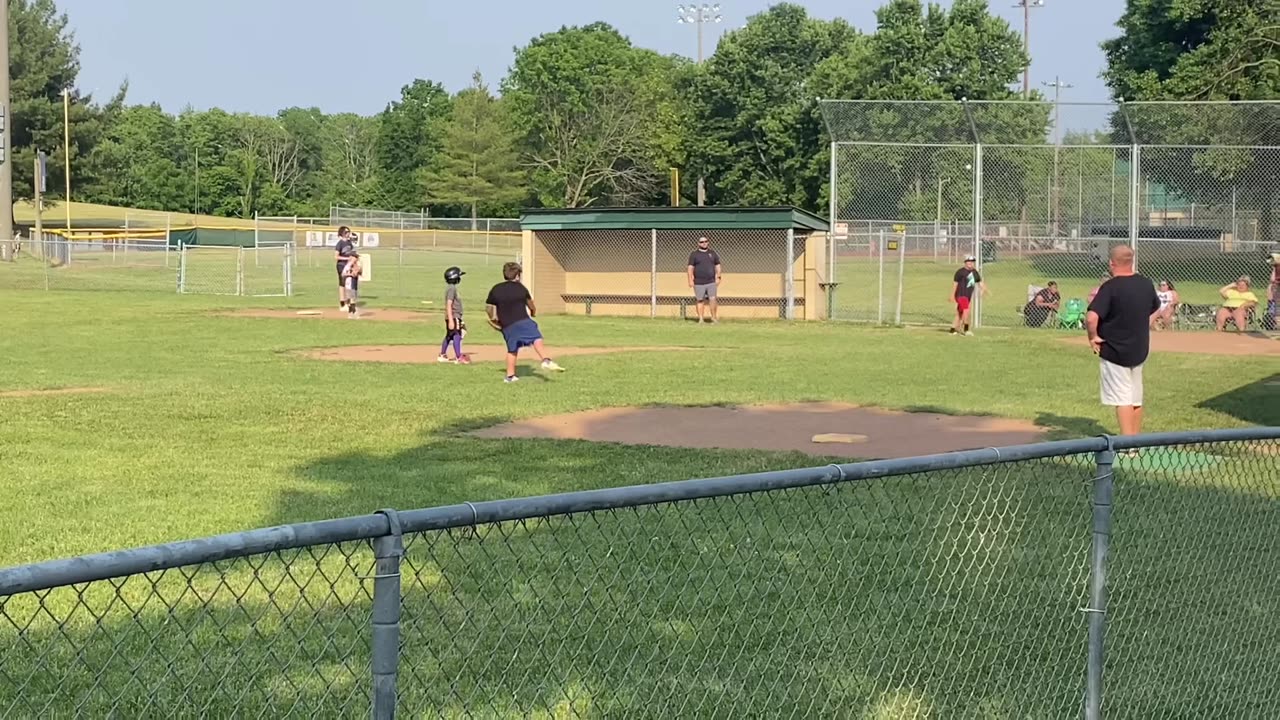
1121,386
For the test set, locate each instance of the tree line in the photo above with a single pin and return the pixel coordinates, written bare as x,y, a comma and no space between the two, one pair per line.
585,117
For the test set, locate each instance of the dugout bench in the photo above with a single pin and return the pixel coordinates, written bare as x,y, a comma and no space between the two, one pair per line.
633,261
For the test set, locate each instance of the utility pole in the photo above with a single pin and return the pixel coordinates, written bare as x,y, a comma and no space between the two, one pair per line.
1058,86
698,16
1026,6
6,137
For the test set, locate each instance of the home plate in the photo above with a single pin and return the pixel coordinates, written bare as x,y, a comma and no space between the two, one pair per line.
310,312
839,438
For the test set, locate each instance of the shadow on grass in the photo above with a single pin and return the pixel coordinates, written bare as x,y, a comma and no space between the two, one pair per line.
1257,403
948,594
1064,427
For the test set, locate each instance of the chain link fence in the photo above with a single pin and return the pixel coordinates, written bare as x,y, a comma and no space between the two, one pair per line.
1039,192
986,583
398,272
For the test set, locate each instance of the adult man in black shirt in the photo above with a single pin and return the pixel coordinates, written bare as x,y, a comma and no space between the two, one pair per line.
704,277
1119,327
341,254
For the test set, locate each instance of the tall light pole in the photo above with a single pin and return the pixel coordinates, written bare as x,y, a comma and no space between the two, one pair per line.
1058,86
1026,6
699,16
6,137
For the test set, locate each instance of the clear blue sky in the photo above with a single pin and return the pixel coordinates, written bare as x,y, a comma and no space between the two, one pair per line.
346,55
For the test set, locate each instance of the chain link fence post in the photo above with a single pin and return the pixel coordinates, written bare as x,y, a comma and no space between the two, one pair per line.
385,661
653,273
790,275
1103,493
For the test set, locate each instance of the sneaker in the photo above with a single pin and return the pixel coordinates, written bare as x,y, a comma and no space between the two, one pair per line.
952,331
968,333
511,379
443,359
464,360
550,364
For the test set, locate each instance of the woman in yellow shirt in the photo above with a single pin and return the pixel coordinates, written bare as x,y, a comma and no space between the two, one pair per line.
1237,301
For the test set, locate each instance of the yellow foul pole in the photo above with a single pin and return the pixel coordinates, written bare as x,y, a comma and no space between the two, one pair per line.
66,151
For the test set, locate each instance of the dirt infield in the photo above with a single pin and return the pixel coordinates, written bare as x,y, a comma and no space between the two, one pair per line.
52,391
332,313
1205,343
418,354
874,433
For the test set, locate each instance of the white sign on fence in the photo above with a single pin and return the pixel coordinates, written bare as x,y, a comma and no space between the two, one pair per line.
322,238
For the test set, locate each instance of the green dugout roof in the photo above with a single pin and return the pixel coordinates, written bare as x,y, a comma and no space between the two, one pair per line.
673,218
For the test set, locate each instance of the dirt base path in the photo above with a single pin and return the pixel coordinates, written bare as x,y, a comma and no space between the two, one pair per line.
415,354
839,430
1205,343
51,391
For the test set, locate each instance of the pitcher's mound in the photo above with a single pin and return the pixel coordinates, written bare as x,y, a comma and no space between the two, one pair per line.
333,313
801,427
478,353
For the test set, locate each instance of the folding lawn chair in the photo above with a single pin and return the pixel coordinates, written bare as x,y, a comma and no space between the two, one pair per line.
1071,316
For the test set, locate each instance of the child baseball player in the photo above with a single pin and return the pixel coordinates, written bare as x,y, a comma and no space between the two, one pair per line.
511,310
351,284
454,328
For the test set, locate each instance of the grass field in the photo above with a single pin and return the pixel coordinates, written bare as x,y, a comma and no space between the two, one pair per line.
954,595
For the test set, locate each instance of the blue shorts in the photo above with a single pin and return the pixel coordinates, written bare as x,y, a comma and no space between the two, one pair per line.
522,334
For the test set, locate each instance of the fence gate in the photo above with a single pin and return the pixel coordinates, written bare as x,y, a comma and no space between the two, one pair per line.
213,270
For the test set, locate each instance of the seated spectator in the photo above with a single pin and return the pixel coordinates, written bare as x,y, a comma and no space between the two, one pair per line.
1039,308
1237,302
1162,319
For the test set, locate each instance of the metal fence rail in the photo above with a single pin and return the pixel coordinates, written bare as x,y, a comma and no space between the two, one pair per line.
993,582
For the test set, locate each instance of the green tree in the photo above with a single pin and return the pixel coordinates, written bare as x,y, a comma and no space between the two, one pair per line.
1196,50
43,62
138,159
589,108
478,166
408,141
753,133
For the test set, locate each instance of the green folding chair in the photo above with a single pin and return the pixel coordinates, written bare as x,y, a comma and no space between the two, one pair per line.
1071,316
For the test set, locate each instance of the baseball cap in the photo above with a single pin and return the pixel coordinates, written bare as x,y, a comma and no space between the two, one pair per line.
970,258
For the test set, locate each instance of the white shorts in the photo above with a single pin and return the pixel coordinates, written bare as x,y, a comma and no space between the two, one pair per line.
1121,386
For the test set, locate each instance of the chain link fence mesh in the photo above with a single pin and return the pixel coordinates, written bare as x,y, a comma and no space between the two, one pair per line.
1194,583
948,594
278,635
1192,186
936,593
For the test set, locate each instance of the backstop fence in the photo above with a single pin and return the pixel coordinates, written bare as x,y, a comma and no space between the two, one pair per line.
1047,580
275,257
1039,192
